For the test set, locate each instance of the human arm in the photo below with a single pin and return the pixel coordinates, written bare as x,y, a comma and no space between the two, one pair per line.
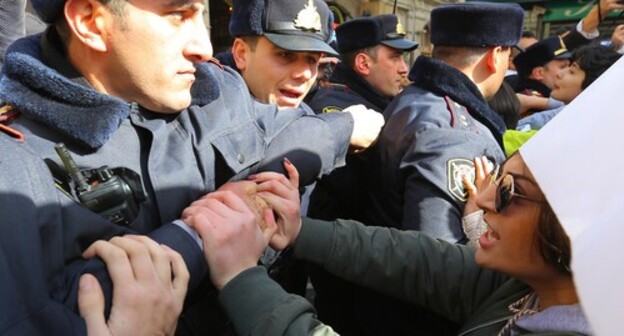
534,103
587,29
256,304
410,266
473,215
150,283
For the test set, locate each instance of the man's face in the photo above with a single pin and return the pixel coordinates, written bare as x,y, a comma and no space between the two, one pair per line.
153,48
387,71
278,76
550,71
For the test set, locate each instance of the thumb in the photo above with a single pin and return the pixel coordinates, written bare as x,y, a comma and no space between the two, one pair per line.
91,305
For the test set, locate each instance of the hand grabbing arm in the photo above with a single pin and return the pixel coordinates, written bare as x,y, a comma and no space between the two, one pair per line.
150,283
282,195
233,240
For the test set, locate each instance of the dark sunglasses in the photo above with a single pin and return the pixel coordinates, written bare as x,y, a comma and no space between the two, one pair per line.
506,191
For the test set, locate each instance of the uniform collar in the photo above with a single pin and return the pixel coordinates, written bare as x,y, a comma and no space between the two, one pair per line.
444,80
345,75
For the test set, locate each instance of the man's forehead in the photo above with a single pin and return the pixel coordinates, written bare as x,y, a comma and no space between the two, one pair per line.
176,3
277,48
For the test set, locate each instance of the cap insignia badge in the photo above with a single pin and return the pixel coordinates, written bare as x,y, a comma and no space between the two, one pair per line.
562,49
399,28
309,18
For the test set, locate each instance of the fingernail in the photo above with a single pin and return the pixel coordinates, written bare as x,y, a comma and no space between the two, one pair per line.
287,161
86,282
252,177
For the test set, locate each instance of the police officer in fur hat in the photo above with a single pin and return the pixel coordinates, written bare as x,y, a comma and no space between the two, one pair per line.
434,129
539,64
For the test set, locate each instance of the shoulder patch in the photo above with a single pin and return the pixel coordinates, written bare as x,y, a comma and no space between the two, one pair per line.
329,109
455,169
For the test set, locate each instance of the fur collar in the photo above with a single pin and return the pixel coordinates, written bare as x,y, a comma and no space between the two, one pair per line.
70,105
444,80
345,75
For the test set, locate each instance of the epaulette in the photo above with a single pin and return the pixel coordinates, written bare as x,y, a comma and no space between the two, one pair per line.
7,114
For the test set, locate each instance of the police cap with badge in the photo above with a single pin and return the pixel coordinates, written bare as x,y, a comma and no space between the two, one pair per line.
295,25
476,24
539,54
366,32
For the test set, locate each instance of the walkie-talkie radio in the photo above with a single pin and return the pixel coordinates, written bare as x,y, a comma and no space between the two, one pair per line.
113,193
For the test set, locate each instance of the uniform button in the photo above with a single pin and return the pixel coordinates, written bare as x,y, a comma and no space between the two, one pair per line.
240,158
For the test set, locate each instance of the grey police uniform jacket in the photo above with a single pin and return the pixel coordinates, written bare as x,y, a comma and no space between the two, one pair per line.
224,135
434,130
414,267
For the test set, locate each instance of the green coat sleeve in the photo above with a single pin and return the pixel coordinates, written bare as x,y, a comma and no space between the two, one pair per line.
427,272
257,305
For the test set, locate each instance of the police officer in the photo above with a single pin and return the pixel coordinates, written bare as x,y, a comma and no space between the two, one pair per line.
372,65
126,87
278,45
434,129
539,65
371,70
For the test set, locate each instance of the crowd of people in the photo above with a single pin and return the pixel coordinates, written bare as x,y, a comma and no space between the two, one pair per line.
151,187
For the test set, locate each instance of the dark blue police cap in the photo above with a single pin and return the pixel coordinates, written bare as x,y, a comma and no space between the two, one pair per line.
366,32
476,24
48,10
540,53
296,25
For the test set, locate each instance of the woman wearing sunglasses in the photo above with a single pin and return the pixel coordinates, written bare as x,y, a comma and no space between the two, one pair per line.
517,282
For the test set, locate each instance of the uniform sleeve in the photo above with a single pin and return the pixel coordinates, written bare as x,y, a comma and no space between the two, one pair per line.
42,237
259,306
315,144
432,168
408,265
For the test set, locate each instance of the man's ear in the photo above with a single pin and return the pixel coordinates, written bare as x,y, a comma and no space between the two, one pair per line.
362,64
493,58
240,53
537,73
89,21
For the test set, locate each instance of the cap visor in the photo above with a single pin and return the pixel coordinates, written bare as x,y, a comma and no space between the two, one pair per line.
300,43
401,44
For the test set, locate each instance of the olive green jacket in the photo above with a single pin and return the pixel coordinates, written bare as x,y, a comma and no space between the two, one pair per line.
427,272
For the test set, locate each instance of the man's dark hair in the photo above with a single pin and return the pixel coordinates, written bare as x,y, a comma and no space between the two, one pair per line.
528,34
251,41
506,104
594,60
116,6
459,56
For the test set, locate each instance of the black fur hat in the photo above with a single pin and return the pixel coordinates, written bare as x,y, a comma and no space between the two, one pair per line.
476,24
366,32
297,25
